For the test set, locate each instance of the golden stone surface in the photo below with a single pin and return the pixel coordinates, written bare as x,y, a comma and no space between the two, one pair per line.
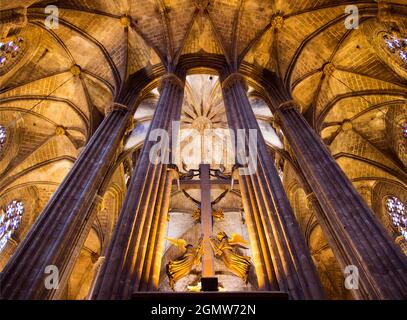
76,70
125,21
347,125
48,132
60,131
277,22
329,69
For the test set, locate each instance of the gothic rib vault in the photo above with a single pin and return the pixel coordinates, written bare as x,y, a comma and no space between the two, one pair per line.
56,92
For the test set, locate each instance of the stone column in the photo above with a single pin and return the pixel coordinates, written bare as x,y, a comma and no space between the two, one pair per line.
95,269
82,234
129,258
274,230
151,274
56,236
353,231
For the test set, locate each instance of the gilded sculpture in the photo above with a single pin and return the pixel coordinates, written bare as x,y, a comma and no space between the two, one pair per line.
225,248
182,266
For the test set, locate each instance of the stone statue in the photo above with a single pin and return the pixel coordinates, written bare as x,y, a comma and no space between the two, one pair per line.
224,248
182,266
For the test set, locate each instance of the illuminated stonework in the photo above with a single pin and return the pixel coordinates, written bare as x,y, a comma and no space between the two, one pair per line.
308,81
201,124
204,133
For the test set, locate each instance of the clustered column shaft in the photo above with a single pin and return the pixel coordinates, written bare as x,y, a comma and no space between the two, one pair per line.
354,233
272,226
129,260
57,235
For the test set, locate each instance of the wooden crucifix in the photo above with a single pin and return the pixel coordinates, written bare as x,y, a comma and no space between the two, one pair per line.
208,281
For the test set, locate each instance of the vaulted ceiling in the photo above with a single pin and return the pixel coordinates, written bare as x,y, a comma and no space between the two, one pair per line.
347,84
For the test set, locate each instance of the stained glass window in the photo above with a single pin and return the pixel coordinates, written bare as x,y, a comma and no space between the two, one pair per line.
3,138
9,50
398,46
10,221
280,173
397,211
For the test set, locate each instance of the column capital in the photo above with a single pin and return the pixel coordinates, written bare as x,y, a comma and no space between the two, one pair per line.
290,104
232,78
172,167
173,78
173,172
116,106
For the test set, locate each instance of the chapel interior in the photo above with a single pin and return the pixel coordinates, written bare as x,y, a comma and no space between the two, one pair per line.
83,86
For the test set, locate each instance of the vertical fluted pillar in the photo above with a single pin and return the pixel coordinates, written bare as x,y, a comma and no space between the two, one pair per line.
151,274
354,233
57,234
129,257
95,270
262,256
269,213
82,235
